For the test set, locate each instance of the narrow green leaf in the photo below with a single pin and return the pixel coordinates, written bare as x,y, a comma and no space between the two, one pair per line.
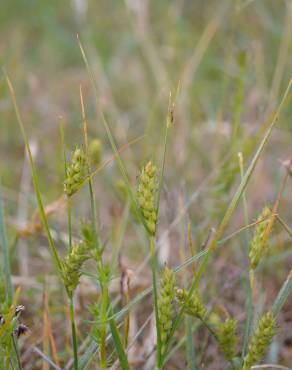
5,248
35,181
169,123
190,346
88,355
283,295
118,345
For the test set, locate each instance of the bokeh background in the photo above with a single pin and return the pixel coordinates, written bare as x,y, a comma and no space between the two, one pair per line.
228,62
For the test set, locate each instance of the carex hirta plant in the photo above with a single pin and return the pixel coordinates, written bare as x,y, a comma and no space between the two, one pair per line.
147,203
171,304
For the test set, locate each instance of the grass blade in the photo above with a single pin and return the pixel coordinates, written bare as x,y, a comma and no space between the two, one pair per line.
5,248
190,347
43,216
248,302
118,345
283,295
169,123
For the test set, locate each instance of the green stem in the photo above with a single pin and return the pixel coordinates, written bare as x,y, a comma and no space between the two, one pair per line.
5,248
73,330
69,215
249,302
103,317
16,352
93,211
155,295
72,315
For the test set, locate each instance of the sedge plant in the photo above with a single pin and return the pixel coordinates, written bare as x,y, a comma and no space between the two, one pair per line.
171,304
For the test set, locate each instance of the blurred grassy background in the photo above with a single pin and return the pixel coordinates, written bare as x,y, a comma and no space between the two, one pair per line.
231,58
233,62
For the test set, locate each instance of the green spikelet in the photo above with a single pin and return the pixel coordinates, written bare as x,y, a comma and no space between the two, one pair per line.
193,306
260,340
71,266
259,244
95,152
226,334
166,305
76,172
146,196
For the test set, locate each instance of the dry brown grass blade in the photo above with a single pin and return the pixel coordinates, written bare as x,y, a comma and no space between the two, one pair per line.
35,224
275,207
48,334
125,292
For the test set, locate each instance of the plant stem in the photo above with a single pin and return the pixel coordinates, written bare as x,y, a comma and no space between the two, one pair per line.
16,352
90,182
100,266
72,315
155,295
103,317
69,215
249,302
5,248
73,330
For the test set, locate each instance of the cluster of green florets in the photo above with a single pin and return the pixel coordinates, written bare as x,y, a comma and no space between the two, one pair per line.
260,340
76,172
95,152
166,305
71,266
192,305
259,242
146,196
227,339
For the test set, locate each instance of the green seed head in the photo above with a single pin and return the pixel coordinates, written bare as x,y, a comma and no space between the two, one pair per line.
226,334
259,243
193,305
76,172
146,196
95,152
260,340
166,305
71,266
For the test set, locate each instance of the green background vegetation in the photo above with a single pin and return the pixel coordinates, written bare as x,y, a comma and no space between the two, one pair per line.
230,62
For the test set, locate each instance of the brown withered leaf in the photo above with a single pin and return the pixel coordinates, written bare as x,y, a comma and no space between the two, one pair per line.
34,226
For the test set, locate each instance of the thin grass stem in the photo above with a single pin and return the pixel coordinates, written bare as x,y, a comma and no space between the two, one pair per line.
155,298
74,335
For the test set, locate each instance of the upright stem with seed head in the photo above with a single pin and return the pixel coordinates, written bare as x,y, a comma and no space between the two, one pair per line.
146,200
72,315
100,266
